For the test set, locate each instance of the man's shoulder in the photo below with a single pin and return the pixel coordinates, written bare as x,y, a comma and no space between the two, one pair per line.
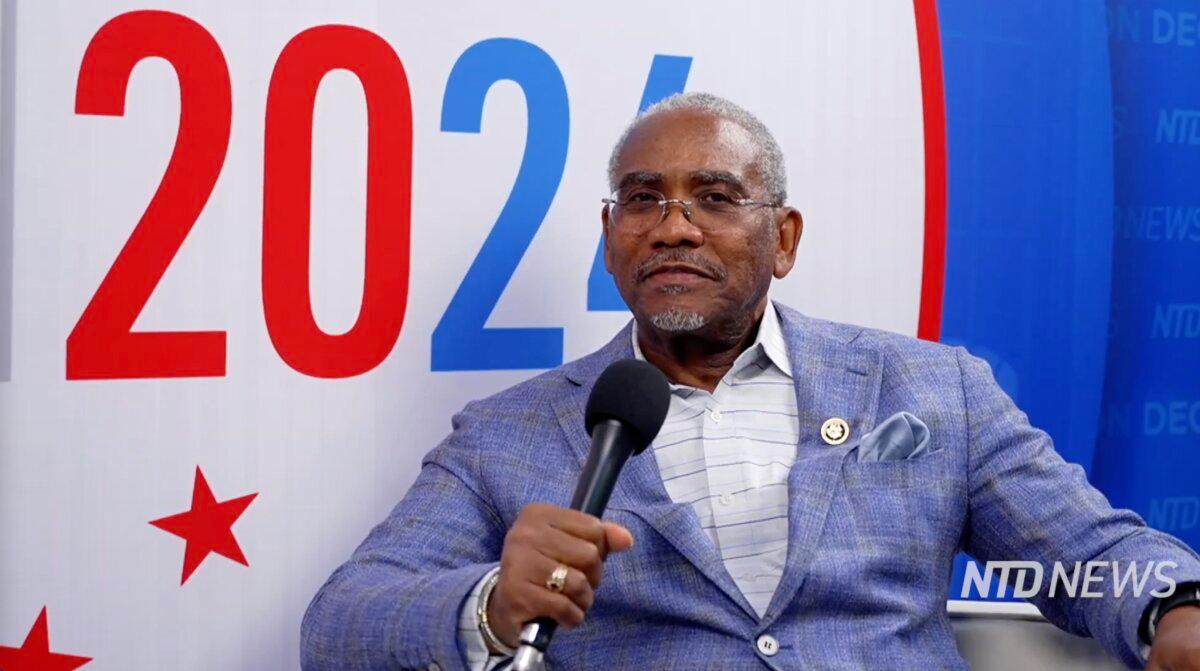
539,392
535,392
893,348
919,376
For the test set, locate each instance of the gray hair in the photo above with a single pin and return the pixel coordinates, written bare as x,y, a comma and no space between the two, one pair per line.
770,158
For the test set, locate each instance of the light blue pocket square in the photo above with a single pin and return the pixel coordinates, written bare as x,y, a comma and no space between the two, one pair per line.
901,436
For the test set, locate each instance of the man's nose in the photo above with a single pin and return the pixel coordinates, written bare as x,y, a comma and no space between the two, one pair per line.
675,229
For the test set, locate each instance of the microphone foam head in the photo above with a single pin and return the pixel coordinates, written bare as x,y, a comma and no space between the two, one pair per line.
633,392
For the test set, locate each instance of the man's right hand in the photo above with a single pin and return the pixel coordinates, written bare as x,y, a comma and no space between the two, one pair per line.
543,537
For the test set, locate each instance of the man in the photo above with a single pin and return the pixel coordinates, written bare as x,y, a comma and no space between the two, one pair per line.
801,507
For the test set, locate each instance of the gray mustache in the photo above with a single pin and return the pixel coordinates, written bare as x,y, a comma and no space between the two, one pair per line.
677,255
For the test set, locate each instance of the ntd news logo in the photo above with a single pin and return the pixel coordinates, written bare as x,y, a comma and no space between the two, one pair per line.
1087,580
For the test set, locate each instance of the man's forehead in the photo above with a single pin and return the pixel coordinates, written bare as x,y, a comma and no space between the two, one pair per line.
688,145
694,177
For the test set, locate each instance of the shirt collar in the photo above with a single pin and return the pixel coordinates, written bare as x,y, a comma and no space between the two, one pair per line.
769,341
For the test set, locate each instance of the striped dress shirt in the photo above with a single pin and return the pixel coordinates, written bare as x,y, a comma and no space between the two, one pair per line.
728,454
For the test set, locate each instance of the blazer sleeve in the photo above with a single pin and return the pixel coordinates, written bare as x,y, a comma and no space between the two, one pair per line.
1027,503
395,604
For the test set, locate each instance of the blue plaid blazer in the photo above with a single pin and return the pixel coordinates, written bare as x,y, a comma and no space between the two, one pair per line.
871,544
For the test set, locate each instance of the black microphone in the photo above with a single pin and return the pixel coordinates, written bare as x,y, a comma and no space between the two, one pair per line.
624,413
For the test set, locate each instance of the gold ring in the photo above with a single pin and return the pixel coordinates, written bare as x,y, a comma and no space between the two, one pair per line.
558,579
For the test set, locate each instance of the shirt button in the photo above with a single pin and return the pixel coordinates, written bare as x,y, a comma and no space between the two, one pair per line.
767,645
726,499
715,415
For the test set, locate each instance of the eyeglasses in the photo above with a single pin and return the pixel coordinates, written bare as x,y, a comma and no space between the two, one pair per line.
640,209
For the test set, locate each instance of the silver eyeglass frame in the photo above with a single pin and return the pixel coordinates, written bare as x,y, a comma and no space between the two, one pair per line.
664,203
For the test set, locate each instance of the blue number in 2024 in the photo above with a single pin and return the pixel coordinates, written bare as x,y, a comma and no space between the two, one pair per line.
668,76
462,341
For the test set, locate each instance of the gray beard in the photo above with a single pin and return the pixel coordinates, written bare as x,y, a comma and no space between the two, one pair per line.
677,321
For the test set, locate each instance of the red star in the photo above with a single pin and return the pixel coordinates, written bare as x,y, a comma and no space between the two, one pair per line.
35,655
207,527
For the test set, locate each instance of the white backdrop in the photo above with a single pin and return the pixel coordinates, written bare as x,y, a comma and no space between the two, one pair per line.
86,464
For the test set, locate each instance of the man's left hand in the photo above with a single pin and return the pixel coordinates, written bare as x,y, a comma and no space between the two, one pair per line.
1176,641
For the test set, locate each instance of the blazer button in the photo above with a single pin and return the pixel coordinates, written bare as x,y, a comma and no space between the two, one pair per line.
433,666
767,645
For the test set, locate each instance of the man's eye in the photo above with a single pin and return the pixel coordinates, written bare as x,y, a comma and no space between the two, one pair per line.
716,198
641,197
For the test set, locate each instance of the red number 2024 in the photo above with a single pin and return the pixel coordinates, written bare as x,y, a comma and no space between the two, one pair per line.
103,345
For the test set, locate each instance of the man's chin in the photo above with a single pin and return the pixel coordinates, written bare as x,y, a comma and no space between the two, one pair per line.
679,307
674,289
675,320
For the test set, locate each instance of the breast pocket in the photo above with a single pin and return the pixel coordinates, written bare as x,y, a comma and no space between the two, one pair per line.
932,469
906,514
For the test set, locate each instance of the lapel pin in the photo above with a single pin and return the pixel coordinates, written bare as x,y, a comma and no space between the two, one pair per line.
835,431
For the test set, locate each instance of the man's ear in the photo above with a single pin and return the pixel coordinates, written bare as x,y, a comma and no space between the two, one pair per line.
791,227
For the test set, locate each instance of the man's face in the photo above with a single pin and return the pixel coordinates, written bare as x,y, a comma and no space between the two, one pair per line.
682,276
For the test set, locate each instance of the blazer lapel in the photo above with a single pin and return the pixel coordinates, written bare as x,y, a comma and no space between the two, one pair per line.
832,379
639,489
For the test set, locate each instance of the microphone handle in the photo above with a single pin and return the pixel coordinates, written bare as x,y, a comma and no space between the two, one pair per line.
612,445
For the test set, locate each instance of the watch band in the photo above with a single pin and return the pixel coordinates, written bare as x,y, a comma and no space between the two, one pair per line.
1187,594
481,608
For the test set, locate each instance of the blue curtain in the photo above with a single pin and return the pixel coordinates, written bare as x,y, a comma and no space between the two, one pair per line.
1073,253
